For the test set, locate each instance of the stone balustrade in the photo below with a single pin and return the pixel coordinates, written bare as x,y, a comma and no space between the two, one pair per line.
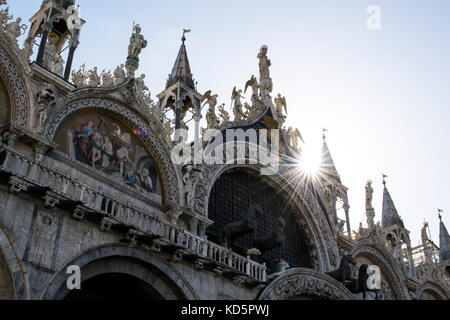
34,173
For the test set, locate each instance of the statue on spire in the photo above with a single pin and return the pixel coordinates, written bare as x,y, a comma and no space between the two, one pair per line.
137,43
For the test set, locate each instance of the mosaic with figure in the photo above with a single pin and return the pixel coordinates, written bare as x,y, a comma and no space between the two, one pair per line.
107,145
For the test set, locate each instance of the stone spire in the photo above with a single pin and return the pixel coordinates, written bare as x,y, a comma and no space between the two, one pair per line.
390,215
181,71
327,164
444,241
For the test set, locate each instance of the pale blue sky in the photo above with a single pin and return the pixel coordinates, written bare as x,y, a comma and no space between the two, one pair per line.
384,95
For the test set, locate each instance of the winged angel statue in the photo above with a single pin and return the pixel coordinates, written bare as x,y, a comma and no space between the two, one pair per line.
211,118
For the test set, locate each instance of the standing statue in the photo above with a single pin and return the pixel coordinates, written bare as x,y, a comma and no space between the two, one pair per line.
233,230
224,114
44,99
58,65
254,84
264,63
137,42
238,112
49,52
93,77
280,103
211,118
273,240
295,135
140,84
191,178
14,29
369,195
79,77
107,79
119,75
424,235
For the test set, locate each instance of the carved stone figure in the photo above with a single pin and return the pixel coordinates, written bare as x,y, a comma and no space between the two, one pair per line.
369,195
93,78
50,52
239,114
295,135
140,84
4,14
14,29
58,65
119,75
137,42
44,99
45,229
191,178
264,63
79,77
107,79
224,114
280,103
211,118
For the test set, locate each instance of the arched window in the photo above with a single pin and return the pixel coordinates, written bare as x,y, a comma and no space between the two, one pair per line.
229,200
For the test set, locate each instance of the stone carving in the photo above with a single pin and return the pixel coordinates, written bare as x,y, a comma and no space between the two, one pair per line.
280,104
257,104
44,100
137,43
369,195
79,77
236,96
191,178
19,102
107,79
265,81
45,229
119,75
224,115
49,52
58,65
93,78
4,14
142,92
211,118
294,136
298,282
14,30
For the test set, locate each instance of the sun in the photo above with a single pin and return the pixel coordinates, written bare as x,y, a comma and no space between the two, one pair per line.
309,161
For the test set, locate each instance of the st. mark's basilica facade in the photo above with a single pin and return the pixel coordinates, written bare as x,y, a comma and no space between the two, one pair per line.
88,179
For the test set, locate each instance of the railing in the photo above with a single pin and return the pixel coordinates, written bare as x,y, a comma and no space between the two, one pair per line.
97,200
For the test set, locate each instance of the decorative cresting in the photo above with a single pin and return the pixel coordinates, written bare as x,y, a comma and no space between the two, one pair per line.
15,85
297,283
323,248
151,141
380,257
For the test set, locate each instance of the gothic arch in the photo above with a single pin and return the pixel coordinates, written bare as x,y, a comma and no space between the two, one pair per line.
170,179
121,259
14,283
12,70
317,227
299,283
383,259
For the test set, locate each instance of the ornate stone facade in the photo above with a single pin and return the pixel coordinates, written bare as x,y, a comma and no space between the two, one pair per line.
99,207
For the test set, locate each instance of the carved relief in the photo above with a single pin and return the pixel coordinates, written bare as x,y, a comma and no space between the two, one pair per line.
44,235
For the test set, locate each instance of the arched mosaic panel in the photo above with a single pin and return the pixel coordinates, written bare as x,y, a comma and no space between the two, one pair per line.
169,178
105,143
